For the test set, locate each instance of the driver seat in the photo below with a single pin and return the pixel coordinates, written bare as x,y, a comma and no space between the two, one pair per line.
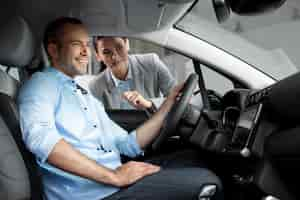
18,169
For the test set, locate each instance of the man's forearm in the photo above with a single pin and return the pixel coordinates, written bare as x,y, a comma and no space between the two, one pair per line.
150,129
65,157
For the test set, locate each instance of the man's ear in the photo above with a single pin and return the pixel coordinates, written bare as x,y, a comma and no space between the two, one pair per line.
52,51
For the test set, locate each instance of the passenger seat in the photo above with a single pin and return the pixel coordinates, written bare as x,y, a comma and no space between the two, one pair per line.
19,179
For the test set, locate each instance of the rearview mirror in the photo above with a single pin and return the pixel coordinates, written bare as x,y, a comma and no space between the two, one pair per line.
222,10
176,1
244,7
252,7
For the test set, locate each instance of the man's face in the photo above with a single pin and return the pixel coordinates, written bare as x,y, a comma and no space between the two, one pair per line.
72,52
113,52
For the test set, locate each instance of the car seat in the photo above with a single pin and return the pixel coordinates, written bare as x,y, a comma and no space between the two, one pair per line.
19,178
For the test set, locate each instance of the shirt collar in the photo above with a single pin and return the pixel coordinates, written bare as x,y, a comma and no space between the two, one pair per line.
117,81
61,76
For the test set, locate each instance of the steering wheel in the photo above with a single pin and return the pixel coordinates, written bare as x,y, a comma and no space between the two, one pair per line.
176,111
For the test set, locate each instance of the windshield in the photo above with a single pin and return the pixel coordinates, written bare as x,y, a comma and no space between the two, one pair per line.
268,42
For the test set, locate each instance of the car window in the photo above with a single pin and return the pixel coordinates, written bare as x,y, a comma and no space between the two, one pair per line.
268,42
177,64
181,66
215,81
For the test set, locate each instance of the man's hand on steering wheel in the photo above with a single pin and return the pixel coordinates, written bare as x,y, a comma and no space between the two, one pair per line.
174,94
176,104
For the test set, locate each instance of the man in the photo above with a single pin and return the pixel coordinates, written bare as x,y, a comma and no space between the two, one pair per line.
77,147
128,80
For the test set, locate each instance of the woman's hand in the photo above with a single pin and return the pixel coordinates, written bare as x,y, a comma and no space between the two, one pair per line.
137,100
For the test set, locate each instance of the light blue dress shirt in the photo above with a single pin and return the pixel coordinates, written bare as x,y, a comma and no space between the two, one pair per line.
51,108
124,86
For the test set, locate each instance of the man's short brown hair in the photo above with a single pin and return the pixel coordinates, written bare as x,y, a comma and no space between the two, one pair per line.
54,29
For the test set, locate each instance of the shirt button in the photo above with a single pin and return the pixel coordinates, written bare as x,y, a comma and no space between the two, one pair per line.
85,108
95,126
73,81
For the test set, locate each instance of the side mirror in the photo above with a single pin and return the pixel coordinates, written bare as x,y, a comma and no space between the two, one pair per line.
244,7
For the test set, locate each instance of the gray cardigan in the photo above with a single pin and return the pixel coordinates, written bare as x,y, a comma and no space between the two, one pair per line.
151,78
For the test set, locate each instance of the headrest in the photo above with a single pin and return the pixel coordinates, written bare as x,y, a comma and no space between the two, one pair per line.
17,45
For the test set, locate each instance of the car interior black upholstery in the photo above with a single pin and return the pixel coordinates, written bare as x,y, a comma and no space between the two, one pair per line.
19,178
128,120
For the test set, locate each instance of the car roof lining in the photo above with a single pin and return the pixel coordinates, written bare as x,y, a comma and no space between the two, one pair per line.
126,17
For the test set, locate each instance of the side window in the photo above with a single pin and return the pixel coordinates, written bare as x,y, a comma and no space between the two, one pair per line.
216,81
181,66
177,64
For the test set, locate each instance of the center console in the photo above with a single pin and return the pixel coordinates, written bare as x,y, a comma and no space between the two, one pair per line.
241,130
233,130
245,131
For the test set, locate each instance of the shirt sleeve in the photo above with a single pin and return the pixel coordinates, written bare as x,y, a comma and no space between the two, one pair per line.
125,142
36,104
165,79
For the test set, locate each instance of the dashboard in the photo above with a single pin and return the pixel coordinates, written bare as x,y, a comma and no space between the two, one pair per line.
252,122
259,131
257,97
245,126
236,124
245,130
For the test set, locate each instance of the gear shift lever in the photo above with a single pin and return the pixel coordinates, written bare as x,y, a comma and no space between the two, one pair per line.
207,192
